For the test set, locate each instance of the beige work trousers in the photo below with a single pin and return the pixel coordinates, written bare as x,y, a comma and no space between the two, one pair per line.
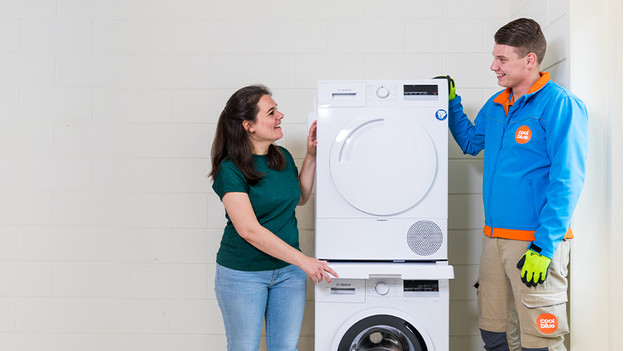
505,303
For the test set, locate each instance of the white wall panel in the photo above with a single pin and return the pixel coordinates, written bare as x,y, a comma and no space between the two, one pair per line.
236,71
55,173
167,140
87,341
26,341
466,212
200,105
196,316
9,170
119,36
191,175
94,9
165,210
82,138
26,279
476,8
86,208
535,9
9,103
7,319
465,246
9,35
464,320
305,70
465,176
404,9
52,243
369,35
86,279
196,246
444,35
322,9
56,35
408,66
557,9
250,36
462,287
173,9
26,69
142,245
40,104
28,9
557,37
168,343
52,315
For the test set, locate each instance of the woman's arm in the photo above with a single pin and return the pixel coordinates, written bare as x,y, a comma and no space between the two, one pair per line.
244,219
308,168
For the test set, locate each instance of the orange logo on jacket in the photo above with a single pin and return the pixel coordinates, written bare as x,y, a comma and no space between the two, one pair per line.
523,135
547,323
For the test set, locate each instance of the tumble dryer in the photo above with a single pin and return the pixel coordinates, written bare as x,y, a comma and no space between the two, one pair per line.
382,170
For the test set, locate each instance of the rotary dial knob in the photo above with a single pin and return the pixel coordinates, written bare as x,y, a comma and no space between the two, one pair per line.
383,92
382,288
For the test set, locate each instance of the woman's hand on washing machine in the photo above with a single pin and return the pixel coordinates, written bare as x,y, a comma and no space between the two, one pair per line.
317,269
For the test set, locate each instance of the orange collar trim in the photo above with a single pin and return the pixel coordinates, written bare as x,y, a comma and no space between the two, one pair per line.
504,97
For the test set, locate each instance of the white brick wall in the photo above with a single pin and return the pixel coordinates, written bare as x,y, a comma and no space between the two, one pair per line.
108,224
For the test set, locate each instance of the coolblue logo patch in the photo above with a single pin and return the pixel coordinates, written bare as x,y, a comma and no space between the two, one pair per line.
441,114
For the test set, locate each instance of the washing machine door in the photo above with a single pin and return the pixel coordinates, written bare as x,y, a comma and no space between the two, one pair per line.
383,164
382,333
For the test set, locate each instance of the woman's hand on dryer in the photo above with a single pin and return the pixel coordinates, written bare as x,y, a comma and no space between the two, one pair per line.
308,167
312,141
317,269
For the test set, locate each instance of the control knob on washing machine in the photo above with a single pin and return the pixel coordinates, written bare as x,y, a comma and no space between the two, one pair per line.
381,288
382,92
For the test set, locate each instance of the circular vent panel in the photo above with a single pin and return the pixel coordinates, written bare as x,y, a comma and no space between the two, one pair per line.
424,238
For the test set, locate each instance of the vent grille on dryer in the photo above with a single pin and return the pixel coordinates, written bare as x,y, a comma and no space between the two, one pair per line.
424,238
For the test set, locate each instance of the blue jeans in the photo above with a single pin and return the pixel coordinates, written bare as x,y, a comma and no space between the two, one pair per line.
247,298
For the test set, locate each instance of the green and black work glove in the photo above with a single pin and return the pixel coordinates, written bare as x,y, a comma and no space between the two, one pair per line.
534,267
451,85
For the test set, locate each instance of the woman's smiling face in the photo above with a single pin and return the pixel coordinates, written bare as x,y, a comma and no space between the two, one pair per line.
267,127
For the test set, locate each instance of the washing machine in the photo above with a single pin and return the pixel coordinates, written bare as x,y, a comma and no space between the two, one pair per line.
384,306
382,170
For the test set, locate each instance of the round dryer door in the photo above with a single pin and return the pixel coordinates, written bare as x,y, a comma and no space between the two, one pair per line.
382,333
383,165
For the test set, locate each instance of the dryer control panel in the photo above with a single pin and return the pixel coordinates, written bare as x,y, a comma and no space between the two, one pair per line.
371,93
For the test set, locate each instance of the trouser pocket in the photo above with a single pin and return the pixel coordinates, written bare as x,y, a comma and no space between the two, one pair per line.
544,314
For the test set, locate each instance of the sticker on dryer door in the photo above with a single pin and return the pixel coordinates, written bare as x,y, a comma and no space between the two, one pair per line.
441,114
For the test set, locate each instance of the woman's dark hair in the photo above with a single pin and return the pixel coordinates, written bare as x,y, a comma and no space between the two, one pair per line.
525,35
232,140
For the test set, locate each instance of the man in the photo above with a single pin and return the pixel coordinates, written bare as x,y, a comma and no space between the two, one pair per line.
534,134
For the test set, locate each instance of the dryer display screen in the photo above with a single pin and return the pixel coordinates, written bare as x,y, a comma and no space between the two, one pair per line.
420,92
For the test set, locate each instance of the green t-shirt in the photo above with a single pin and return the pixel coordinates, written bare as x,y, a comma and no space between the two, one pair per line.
274,199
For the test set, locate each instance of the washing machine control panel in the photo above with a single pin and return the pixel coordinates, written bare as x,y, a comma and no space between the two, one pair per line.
384,287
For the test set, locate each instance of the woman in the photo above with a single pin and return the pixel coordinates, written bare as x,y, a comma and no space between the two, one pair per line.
260,270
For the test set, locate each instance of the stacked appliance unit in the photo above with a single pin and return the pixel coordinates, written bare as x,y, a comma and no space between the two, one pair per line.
381,215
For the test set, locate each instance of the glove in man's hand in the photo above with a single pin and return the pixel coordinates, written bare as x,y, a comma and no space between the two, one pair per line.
534,268
451,86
